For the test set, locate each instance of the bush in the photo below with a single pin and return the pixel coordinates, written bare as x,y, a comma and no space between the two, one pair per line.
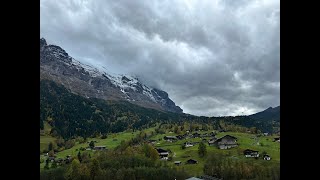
91,144
183,146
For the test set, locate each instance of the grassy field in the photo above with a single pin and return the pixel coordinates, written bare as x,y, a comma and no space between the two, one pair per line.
45,140
110,142
246,141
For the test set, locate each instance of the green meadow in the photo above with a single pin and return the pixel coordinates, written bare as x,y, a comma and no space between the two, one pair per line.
245,140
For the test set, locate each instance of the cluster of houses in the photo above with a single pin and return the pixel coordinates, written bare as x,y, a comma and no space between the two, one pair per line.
225,142
255,154
187,136
68,158
60,161
164,154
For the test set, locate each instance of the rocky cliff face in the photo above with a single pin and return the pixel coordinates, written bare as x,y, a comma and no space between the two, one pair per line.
96,82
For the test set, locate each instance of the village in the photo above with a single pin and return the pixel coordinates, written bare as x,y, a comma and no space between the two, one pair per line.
225,142
170,147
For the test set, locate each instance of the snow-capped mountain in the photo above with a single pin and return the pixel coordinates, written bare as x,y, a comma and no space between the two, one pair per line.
97,82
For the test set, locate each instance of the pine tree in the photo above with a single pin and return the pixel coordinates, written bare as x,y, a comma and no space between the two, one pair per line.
47,164
202,149
91,144
79,156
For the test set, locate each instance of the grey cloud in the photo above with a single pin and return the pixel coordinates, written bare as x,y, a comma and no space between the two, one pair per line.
212,57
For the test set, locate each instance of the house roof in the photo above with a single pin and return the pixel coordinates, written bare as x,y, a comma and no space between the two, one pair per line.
228,136
227,139
249,151
177,162
171,137
192,160
161,150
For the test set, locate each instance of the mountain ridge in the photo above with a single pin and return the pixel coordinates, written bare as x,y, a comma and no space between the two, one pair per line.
267,114
95,82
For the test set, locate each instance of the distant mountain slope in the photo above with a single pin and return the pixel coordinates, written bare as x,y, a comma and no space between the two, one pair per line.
96,82
72,115
270,114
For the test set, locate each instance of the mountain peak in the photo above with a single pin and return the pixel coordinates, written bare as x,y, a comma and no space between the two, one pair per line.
43,42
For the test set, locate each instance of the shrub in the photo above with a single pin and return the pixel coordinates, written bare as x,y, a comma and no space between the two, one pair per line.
183,146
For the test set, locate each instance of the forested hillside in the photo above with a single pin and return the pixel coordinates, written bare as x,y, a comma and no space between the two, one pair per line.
72,115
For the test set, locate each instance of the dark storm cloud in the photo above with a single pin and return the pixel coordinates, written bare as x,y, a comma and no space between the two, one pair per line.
212,57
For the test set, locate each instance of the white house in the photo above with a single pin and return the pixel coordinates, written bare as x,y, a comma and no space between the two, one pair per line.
188,144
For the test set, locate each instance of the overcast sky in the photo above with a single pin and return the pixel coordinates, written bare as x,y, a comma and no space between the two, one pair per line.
213,57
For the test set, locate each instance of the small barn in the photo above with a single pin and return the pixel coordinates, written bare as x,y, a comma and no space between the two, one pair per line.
192,161
188,144
170,138
100,148
196,135
178,163
180,137
163,154
212,141
251,153
266,157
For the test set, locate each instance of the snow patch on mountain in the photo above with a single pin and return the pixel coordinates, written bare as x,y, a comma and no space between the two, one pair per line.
124,82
